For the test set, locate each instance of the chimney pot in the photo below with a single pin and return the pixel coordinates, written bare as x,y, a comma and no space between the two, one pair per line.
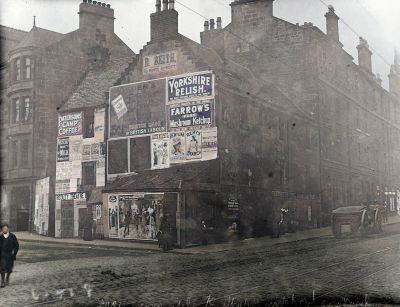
94,2
103,4
99,3
172,4
364,55
206,25
212,24
332,24
108,5
158,6
85,1
89,1
165,5
219,23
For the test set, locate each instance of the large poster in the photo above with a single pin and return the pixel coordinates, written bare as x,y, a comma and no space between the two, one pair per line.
145,109
113,216
193,144
63,150
178,147
139,216
190,114
160,150
41,214
190,87
70,124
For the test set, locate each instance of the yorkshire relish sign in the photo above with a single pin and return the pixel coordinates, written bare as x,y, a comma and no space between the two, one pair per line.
190,87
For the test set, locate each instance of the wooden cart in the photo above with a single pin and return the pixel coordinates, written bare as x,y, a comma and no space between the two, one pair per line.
356,220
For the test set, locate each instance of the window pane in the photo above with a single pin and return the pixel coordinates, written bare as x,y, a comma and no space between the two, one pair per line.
16,111
140,154
27,109
27,68
89,173
118,157
14,153
17,69
89,124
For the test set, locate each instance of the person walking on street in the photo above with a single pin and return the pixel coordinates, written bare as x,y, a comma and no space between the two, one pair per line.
9,247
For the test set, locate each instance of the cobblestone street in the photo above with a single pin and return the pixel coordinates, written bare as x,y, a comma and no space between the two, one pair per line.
361,270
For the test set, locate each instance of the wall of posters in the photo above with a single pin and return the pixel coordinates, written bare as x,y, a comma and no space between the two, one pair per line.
160,150
160,62
193,144
190,87
41,214
145,103
177,147
70,124
190,114
63,149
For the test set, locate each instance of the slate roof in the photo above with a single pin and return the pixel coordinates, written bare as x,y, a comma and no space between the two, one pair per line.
39,37
91,91
200,176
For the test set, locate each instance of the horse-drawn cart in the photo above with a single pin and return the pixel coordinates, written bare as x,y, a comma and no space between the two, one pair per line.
356,220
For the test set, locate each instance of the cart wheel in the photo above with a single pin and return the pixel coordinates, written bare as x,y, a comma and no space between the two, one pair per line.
364,223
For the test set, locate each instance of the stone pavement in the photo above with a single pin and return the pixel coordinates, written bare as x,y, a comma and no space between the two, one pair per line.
212,248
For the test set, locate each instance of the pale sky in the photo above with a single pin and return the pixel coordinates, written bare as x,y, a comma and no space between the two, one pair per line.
376,20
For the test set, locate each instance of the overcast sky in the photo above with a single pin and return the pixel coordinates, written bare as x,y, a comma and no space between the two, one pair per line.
376,20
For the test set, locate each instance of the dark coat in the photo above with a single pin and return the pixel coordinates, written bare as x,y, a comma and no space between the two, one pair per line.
8,252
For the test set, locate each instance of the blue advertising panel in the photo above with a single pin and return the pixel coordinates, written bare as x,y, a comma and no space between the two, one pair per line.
191,114
190,87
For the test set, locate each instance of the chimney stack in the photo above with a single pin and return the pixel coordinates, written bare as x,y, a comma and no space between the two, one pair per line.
164,23
212,24
241,10
219,23
364,56
206,26
394,76
332,24
96,15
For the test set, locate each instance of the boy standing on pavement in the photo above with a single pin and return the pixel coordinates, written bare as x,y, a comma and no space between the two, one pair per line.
9,247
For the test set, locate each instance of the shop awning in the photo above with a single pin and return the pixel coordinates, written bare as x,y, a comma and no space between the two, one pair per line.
200,176
96,196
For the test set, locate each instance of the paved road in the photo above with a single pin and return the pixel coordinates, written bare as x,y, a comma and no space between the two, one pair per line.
321,270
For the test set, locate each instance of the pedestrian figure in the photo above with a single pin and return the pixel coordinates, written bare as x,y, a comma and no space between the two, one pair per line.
9,247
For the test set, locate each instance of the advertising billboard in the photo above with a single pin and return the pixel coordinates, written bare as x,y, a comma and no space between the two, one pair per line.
190,87
140,109
190,114
70,124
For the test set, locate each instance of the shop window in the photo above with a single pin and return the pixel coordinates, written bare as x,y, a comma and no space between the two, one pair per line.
89,173
118,157
139,154
88,121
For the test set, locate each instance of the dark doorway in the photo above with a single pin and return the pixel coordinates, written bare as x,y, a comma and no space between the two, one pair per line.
67,219
82,218
23,220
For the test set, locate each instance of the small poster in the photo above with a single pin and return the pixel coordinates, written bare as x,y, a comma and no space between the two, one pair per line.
86,152
193,145
209,144
75,148
63,186
63,170
178,147
119,106
160,150
95,151
63,150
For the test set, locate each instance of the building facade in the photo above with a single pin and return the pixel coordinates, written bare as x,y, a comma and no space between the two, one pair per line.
41,72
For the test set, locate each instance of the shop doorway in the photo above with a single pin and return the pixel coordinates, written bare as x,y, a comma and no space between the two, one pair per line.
67,219
82,218
22,220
